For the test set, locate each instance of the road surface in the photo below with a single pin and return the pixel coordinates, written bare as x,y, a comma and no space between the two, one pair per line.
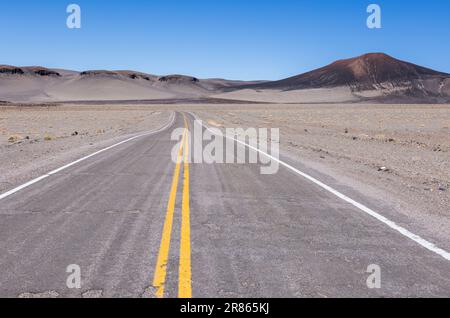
140,225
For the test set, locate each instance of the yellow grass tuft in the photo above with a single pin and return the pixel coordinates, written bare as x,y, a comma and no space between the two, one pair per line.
15,138
49,137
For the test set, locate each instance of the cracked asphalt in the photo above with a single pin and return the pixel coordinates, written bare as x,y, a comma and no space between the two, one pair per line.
251,235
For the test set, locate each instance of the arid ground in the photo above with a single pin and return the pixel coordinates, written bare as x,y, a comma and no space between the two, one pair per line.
397,152
393,158
34,140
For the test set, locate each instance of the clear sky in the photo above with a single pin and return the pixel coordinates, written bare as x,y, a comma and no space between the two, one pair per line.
235,39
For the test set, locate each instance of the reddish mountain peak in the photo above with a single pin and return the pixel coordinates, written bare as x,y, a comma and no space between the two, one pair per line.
375,68
369,57
363,72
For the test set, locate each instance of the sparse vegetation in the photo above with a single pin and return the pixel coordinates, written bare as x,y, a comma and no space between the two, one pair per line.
15,138
49,137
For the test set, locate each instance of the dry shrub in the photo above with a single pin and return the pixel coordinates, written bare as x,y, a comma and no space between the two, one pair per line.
49,137
15,138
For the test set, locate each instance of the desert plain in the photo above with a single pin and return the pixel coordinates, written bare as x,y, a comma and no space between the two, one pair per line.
396,154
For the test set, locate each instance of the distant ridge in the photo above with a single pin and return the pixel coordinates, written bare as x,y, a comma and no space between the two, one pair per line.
375,77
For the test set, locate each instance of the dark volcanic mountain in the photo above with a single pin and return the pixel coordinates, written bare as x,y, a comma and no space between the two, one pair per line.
374,76
365,72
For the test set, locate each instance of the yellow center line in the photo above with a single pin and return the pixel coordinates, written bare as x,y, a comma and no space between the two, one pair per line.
184,279
163,255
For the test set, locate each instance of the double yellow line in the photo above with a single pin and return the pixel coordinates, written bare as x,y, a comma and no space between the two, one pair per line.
184,271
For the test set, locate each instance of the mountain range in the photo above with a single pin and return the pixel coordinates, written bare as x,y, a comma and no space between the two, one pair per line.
374,77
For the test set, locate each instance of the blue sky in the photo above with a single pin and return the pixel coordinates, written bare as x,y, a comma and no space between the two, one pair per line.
236,39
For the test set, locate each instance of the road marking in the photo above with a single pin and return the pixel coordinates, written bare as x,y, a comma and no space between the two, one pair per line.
184,274
29,183
159,278
416,238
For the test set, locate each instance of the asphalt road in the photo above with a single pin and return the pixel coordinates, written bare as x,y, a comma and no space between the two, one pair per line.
140,225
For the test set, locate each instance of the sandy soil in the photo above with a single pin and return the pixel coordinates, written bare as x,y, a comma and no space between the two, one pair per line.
318,95
35,140
396,153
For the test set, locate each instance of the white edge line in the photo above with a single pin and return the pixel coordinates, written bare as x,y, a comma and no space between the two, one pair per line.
416,238
29,183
